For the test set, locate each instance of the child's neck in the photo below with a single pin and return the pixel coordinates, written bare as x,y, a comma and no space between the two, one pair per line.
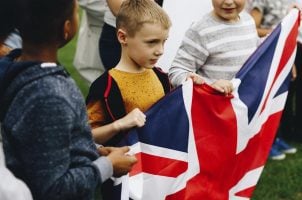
232,21
129,67
39,53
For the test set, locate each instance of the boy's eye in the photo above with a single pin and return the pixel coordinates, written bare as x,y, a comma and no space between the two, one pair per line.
151,42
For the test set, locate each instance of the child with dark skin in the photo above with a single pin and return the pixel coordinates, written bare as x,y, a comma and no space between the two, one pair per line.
47,140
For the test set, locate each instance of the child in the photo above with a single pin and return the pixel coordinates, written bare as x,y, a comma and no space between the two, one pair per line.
117,99
215,48
109,46
47,140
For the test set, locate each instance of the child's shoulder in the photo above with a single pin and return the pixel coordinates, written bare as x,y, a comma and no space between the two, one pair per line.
157,69
101,86
205,22
101,81
164,78
245,15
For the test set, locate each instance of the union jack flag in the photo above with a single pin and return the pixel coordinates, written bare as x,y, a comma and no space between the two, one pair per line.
200,144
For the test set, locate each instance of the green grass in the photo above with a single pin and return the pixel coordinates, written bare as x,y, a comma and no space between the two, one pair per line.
66,55
280,180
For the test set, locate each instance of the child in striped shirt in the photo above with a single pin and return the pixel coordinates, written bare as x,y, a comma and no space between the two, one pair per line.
215,47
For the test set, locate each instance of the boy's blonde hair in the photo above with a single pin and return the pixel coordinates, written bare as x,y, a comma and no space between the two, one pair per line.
133,14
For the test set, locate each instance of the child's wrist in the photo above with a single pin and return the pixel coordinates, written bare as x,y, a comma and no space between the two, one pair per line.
117,126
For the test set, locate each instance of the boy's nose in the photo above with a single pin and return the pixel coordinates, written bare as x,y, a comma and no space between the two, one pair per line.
159,51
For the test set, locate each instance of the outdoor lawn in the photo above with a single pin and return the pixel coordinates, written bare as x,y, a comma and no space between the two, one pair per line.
281,180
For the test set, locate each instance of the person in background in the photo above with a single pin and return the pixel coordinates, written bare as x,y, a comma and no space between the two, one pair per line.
215,47
87,60
109,47
297,133
267,15
47,140
248,5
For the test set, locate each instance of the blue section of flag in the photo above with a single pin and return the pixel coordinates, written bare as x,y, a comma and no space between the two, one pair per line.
168,115
257,68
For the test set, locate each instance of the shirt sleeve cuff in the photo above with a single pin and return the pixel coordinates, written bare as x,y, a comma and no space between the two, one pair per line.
105,167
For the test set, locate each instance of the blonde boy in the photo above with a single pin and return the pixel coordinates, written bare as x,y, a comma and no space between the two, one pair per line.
117,99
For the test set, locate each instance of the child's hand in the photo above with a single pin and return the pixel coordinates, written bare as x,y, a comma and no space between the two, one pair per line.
121,162
295,5
298,6
104,151
195,78
223,86
136,118
294,73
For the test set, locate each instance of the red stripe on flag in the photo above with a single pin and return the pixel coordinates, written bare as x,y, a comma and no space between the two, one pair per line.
215,131
289,47
163,167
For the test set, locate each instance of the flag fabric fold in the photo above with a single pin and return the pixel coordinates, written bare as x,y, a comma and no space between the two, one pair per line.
200,144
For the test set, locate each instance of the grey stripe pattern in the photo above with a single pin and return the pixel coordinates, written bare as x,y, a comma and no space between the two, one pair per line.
214,49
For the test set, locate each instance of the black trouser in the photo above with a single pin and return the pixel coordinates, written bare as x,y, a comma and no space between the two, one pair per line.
291,124
109,47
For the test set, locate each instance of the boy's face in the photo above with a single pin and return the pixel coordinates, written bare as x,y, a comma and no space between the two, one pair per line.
228,10
147,45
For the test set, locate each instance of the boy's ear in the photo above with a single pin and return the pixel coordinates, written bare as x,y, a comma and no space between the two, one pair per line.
67,34
122,36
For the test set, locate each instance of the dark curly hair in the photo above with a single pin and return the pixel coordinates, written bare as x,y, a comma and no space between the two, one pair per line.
42,20
8,17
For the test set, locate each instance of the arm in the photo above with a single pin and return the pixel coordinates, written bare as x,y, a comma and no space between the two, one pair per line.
190,56
294,72
197,79
121,162
114,5
135,118
258,16
54,164
223,86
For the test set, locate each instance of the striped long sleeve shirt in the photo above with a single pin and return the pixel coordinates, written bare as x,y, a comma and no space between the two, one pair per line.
214,49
